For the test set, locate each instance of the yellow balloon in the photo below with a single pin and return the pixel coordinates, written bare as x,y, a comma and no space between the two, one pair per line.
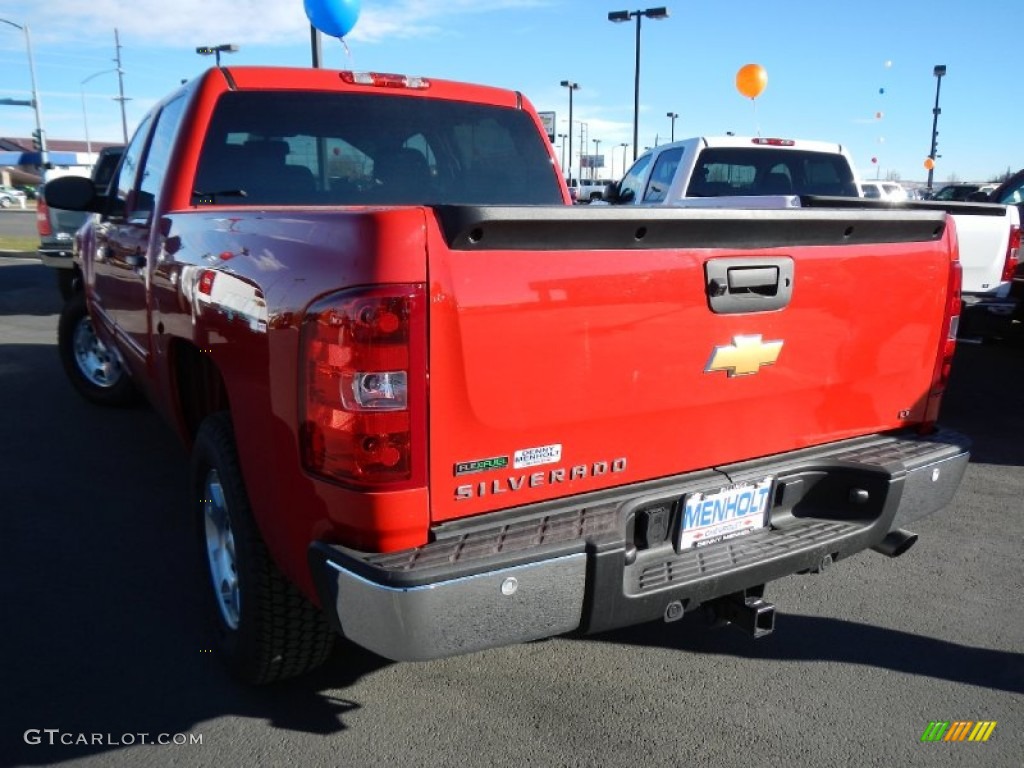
751,80
929,164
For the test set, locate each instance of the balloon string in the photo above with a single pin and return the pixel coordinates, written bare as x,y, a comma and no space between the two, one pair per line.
348,53
757,127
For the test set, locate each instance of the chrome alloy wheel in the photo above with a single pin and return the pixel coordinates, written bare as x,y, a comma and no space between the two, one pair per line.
98,364
220,549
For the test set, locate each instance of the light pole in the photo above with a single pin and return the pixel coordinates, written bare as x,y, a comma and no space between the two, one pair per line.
597,153
562,137
624,145
217,50
85,117
939,71
43,157
584,133
618,17
572,87
672,116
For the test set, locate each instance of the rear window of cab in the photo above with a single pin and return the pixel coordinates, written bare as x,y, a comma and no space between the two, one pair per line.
316,148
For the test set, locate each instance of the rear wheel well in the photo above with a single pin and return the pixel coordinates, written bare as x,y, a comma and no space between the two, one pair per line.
69,281
199,386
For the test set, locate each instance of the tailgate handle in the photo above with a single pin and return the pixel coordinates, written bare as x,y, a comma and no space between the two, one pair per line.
757,279
739,284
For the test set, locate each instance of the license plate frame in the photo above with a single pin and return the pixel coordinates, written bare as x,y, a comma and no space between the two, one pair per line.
712,516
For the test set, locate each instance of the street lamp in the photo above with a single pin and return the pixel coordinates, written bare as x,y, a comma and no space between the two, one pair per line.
217,50
85,117
624,145
672,116
43,157
939,71
618,17
597,153
572,87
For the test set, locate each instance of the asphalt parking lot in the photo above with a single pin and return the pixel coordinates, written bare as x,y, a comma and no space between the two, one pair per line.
103,641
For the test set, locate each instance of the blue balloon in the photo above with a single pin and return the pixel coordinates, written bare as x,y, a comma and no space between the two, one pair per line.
881,90
332,17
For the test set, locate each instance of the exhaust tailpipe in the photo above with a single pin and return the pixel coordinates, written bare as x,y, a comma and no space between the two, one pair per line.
896,543
750,613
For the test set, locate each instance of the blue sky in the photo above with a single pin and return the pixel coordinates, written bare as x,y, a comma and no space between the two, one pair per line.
827,63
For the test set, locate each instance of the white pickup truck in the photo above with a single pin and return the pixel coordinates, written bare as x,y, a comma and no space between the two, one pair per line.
755,172
589,190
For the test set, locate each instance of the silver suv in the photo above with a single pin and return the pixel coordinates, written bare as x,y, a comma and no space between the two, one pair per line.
57,227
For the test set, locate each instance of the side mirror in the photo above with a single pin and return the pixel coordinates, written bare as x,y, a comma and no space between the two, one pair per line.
71,193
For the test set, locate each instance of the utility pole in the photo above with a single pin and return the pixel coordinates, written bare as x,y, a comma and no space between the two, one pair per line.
120,86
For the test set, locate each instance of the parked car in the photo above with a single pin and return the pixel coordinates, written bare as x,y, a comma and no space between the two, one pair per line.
963,191
883,190
10,196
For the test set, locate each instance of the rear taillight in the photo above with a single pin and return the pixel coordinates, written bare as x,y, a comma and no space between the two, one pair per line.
43,218
1012,254
364,389
947,348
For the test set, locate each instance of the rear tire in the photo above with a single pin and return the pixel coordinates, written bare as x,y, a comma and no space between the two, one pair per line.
265,629
93,369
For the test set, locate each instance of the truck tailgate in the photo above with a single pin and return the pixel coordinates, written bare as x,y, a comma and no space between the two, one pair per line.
573,349
983,242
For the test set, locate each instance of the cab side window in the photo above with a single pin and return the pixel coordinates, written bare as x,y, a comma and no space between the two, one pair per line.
157,159
661,175
144,166
632,183
1013,196
129,170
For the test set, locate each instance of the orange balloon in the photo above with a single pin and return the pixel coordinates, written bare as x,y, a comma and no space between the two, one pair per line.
751,80
929,164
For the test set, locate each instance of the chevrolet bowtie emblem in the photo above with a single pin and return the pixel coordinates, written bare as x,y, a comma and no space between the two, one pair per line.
744,356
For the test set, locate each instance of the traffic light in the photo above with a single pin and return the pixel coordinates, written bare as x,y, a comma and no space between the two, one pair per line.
37,139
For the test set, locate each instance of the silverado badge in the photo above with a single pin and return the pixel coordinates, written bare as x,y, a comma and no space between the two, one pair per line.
744,356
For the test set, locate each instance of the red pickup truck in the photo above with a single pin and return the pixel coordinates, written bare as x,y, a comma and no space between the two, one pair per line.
435,408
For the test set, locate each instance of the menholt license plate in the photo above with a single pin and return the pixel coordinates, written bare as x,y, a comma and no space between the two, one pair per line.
714,516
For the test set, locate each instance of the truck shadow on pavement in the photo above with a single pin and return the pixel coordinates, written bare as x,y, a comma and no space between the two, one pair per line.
20,292
816,639
982,401
105,632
